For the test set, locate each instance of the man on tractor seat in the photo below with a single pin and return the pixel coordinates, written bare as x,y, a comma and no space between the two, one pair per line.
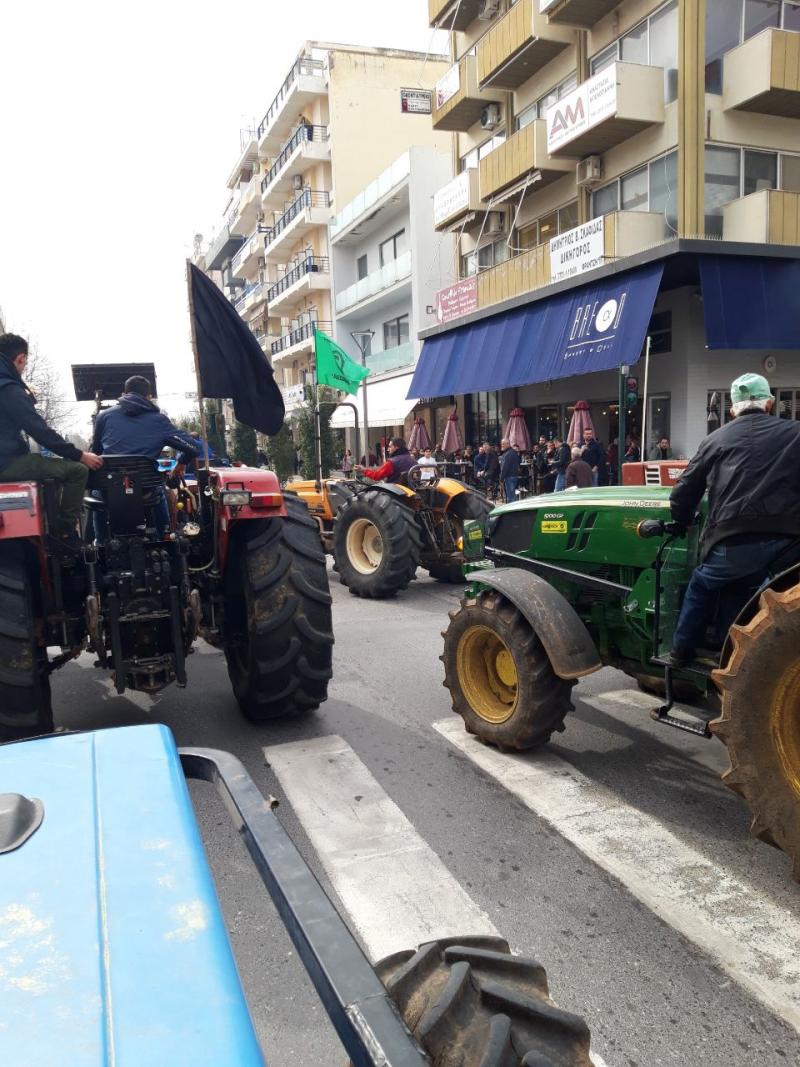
18,415
751,467
136,426
399,462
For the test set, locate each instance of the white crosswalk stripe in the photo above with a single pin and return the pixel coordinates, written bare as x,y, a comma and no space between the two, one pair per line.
755,941
395,888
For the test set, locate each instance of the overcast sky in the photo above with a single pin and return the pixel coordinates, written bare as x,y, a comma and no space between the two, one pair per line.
120,125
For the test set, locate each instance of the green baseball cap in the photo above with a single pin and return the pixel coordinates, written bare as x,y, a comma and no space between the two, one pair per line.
750,387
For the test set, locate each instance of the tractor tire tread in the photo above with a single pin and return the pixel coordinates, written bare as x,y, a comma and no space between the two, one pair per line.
402,544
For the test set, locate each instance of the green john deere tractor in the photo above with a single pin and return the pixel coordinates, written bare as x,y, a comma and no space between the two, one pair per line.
562,585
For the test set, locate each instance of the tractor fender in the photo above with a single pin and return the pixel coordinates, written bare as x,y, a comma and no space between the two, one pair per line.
394,488
779,583
567,642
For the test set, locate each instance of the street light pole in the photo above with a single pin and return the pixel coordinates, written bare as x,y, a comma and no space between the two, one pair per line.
363,339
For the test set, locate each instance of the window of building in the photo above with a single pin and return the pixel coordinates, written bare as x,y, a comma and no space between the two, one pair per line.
652,187
605,200
361,267
735,172
538,110
488,255
395,332
653,42
475,155
393,247
790,173
731,23
788,405
760,171
658,423
634,191
539,232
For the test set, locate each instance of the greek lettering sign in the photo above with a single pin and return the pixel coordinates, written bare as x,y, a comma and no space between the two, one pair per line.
452,198
456,300
447,86
585,107
577,250
416,101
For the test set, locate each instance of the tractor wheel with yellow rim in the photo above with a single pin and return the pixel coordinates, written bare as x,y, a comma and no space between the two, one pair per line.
499,676
760,720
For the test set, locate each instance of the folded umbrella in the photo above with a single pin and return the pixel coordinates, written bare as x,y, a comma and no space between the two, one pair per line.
419,436
581,420
517,431
452,441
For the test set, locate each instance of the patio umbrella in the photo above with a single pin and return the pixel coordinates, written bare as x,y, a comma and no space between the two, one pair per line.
419,436
581,420
517,431
452,441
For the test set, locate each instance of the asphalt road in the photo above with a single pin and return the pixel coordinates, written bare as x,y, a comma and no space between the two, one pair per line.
619,860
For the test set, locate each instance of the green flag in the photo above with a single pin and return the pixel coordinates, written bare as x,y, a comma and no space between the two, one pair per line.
334,366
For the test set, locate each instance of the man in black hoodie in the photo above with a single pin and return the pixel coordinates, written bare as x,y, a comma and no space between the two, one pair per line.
18,416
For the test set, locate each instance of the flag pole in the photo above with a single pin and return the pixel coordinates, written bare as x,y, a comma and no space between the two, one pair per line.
203,427
317,425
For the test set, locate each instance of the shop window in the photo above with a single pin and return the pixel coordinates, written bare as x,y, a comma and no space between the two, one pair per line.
718,409
760,171
659,331
658,424
722,184
788,404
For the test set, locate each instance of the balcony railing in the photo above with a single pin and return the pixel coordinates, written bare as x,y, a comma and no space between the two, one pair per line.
769,216
457,100
302,133
310,265
244,251
391,358
307,199
375,191
396,271
299,334
303,67
524,152
519,45
763,75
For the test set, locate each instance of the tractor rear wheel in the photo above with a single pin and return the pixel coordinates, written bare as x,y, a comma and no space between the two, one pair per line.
376,544
470,1003
499,675
469,505
760,720
278,630
25,708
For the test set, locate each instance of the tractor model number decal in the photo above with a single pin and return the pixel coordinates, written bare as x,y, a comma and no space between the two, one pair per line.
475,535
551,526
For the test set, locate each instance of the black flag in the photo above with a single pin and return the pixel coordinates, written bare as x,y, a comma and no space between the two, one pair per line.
230,361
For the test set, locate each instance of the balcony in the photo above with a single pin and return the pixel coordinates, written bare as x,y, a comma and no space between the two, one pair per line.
243,218
221,247
770,216
519,156
391,358
310,210
251,299
581,13
763,75
365,212
300,339
307,146
245,263
456,200
304,82
519,45
383,285
452,15
457,100
606,110
310,274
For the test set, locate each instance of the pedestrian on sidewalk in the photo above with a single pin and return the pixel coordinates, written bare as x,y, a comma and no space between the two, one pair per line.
562,458
579,473
509,469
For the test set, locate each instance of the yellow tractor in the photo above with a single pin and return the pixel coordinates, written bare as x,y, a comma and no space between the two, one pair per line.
379,532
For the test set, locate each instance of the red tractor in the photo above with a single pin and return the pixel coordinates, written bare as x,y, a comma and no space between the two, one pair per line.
242,566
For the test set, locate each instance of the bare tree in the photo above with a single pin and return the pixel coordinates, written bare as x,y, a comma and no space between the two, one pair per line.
52,401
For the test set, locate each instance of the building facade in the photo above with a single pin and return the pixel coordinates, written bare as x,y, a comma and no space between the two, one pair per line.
334,124
591,138
388,262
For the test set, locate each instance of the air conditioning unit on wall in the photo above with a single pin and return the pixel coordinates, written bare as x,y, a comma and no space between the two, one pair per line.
589,172
488,10
495,223
490,116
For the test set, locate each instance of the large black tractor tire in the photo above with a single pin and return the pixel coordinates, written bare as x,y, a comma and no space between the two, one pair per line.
469,505
278,629
499,675
376,544
760,721
470,1003
25,708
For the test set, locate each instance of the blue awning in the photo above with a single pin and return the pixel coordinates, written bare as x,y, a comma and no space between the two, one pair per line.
750,302
592,328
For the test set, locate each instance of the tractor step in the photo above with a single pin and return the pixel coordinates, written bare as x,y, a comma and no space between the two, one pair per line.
702,667
692,724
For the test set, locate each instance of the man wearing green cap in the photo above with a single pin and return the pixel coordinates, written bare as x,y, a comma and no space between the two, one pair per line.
751,469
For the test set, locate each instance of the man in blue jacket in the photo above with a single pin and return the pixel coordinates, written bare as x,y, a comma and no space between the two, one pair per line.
137,427
18,416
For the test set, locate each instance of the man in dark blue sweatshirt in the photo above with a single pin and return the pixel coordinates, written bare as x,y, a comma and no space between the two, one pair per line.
136,426
18,416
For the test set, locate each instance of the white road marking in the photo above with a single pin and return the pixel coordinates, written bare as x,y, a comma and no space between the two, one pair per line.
394,886
755,941
86,660
205,649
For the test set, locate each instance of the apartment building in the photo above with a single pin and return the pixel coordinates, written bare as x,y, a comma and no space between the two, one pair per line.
335,122
622,170
388,261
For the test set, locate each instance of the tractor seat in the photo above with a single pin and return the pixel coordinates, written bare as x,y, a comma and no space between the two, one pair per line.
122,474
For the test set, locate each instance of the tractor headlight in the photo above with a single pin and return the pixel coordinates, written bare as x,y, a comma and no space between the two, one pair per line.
234,498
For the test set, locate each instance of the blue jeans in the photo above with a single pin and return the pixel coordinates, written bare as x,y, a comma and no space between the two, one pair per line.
561,482
510,487
723,583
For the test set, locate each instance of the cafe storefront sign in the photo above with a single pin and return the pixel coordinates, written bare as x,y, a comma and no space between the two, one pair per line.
456,300
585,107
447,86
452,199
577,250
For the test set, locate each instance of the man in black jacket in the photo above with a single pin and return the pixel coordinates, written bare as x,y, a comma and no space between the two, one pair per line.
509,470
18,415
751,468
